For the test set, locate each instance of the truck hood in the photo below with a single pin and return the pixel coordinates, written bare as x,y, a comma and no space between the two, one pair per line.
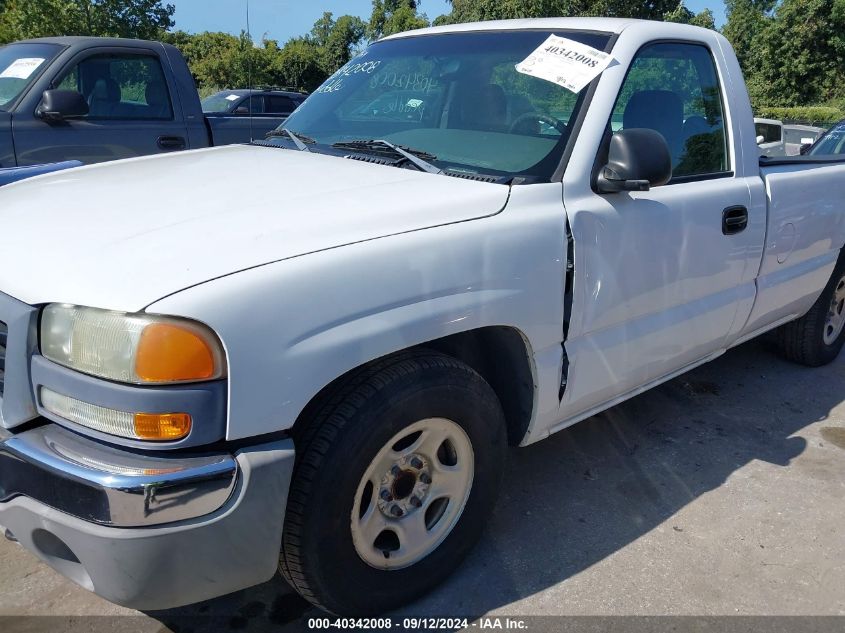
122,235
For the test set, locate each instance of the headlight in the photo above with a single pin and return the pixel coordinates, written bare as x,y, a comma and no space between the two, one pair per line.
132,348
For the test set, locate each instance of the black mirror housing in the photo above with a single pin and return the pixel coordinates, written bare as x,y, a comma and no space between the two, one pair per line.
638,159
58,105
805,148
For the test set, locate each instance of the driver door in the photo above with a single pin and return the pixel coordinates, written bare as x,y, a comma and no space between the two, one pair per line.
660,279
132,112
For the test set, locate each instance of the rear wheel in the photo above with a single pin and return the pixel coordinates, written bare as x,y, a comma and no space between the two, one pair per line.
817,338
396,474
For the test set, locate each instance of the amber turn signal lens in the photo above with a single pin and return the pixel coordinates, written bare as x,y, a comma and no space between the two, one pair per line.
162,426
174,353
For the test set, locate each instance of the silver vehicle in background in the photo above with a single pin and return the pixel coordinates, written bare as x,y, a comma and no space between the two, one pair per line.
775,138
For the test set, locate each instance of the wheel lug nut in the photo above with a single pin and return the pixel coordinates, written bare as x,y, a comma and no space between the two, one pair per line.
415,502
417,463
425,478
396,511
395,470
386,496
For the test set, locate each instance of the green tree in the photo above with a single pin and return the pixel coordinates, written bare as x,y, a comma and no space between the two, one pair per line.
300,64
336,39
478,10
683,15
143,19
746,22
801,57
394,16
221,60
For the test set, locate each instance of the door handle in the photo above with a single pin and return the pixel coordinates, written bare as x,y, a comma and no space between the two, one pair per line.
171,143
734,220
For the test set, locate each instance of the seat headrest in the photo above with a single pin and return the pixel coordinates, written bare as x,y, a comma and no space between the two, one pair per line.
484,108
695,125
106,89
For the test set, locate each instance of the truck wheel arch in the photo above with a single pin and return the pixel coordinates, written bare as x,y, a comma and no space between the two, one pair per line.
500,354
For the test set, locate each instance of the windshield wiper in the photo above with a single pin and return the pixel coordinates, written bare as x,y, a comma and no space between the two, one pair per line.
417,157
299,140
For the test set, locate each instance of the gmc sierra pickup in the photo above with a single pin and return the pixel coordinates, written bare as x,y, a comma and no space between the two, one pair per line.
310,355
97,99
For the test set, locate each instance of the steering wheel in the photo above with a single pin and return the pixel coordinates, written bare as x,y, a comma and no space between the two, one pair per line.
537,117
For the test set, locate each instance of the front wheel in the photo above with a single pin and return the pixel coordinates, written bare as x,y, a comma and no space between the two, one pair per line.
817,338
395,477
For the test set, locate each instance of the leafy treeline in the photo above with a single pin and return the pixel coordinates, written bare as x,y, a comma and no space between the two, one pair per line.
792,51
145,19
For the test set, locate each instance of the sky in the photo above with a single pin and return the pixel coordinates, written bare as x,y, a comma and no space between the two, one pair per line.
283,19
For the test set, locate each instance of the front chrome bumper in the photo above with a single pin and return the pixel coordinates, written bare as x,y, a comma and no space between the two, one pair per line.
98,483
51,478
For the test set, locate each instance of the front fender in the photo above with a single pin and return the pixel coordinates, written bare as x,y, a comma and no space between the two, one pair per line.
292,327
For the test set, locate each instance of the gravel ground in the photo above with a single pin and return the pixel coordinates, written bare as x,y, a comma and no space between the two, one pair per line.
718,493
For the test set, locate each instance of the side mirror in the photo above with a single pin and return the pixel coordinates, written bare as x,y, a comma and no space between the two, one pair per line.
805,148
241,110
760,139
58,105
638,159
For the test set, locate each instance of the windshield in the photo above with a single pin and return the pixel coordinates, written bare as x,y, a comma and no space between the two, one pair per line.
220,102
457,97
832,143
19,66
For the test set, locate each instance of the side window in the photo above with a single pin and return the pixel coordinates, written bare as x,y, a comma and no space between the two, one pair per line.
673,88
71,81
771,132
280,105
251,105
121,87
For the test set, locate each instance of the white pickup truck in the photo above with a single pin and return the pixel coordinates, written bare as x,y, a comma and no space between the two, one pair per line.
311,354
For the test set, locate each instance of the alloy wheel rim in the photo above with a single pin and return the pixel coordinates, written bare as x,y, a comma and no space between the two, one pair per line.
412,494
836,314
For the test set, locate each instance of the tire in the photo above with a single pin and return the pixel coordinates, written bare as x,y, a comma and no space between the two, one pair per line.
331,517
817,338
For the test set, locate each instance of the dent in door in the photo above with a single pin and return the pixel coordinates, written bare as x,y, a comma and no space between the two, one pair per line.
569,289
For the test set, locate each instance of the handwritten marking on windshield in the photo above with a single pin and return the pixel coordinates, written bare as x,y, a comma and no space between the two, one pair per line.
335,82
418,82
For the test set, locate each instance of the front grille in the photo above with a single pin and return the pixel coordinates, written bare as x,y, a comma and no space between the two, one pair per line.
17,345
4,332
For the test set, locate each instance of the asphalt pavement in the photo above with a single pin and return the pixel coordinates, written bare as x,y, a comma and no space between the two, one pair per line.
719,493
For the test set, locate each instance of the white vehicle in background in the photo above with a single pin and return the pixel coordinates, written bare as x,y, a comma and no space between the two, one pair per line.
310,355
775,138
770,138
798,136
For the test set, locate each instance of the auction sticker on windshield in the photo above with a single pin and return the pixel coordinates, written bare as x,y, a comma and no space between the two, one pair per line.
22,68
565,62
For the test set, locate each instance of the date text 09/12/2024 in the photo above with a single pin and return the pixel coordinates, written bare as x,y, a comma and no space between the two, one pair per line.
417,624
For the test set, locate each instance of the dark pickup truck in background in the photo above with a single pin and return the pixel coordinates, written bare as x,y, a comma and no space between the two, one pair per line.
237,114
97,99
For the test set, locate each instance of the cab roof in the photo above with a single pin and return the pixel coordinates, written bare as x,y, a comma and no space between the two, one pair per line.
603,25
80,40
